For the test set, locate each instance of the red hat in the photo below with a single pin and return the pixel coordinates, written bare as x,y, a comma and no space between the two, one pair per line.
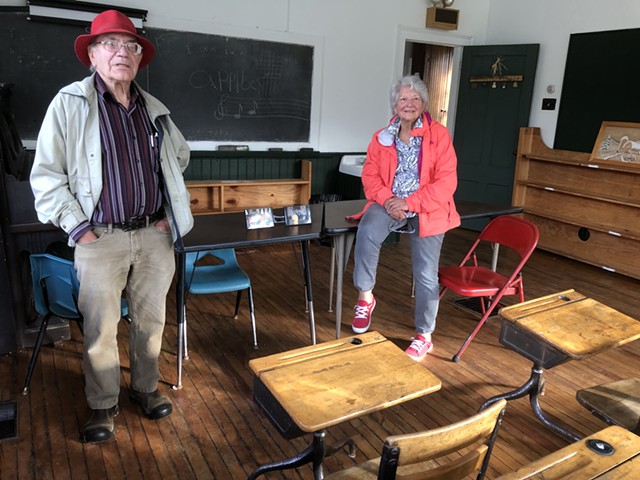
112,21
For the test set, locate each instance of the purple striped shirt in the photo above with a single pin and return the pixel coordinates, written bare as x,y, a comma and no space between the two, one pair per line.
130,161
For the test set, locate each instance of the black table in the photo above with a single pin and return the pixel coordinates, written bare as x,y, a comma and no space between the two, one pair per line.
229,230
343,232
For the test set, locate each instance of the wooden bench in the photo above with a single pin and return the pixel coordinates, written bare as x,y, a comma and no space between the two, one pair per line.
616,403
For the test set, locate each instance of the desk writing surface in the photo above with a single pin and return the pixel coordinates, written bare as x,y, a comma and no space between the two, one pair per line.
630,469
229,230
577,462
574,324
332,382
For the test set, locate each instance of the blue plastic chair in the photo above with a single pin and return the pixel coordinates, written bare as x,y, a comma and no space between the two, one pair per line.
219,278
55,293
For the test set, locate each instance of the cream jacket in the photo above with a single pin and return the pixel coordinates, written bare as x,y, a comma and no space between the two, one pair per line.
66,177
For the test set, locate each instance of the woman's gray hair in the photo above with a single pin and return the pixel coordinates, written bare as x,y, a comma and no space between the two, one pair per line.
415,83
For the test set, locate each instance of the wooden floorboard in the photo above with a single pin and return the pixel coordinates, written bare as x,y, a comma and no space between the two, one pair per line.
218,432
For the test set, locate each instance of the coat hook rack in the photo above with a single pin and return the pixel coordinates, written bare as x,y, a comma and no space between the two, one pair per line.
496,80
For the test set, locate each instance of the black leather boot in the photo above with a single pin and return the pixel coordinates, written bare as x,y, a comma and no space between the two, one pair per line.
154,405
100,427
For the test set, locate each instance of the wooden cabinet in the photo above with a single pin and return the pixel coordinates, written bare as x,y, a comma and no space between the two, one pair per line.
585,210
210,196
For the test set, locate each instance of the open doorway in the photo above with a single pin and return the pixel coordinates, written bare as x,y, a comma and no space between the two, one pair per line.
434,64
438,52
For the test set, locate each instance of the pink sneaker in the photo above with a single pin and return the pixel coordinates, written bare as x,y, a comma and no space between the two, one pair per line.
419,348
362,318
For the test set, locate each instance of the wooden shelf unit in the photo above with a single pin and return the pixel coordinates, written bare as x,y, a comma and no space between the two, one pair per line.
210,196
585,210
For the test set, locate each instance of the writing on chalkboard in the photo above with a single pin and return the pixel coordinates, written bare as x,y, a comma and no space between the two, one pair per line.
233,89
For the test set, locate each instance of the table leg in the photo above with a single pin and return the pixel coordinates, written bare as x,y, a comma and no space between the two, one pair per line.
343,244
180,309
309,293
332,273
535,387
315,453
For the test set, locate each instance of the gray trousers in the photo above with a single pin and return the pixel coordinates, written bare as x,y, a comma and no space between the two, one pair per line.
140,263
373,230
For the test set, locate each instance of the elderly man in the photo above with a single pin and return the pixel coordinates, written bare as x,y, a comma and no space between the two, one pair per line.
108,171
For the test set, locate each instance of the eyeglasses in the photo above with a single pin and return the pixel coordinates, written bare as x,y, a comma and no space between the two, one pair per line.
115,46
406,100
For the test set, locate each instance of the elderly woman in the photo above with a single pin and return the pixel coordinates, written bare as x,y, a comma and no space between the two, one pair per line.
409,178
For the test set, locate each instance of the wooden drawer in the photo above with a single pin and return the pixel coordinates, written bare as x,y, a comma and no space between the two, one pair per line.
618,254
581,210
239,197
205,199
582,179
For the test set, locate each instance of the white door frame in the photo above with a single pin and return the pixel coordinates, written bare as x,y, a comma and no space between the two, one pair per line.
422,35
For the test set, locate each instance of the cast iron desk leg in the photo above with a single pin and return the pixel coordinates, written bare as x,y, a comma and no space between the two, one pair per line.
534,387
332,274
313,453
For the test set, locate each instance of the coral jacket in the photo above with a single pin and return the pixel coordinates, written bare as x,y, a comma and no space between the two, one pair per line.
433,201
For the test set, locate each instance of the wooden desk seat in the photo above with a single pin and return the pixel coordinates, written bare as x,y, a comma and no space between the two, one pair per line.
616,403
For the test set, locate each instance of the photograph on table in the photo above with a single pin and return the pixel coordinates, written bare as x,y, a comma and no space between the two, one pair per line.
618,141
259,217
297,215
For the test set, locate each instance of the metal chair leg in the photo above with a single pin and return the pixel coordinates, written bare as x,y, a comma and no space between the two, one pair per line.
253,319
238,297
36,352
185,352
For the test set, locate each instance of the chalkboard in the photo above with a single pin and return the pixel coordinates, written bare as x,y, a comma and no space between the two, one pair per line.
218,88
600,84
233,89
38,58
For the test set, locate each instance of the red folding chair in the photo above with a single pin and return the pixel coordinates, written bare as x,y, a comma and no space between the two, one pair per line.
470,279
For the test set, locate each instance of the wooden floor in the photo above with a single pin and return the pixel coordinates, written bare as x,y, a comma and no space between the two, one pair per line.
217,431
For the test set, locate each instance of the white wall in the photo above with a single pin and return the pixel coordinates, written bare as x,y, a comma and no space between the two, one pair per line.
357,41
550,23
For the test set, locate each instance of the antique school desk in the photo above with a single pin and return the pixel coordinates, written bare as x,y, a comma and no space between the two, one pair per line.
553,329
312,388
612,453
343,233
229,230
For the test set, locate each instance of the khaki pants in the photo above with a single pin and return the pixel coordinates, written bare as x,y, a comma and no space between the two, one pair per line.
141,264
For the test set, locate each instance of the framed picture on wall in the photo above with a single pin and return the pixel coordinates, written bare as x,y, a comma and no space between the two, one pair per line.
259,218
618,142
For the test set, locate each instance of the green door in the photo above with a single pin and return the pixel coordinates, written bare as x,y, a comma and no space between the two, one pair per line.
494,100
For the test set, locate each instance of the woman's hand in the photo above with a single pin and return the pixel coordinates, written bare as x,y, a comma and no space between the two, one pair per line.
396,208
